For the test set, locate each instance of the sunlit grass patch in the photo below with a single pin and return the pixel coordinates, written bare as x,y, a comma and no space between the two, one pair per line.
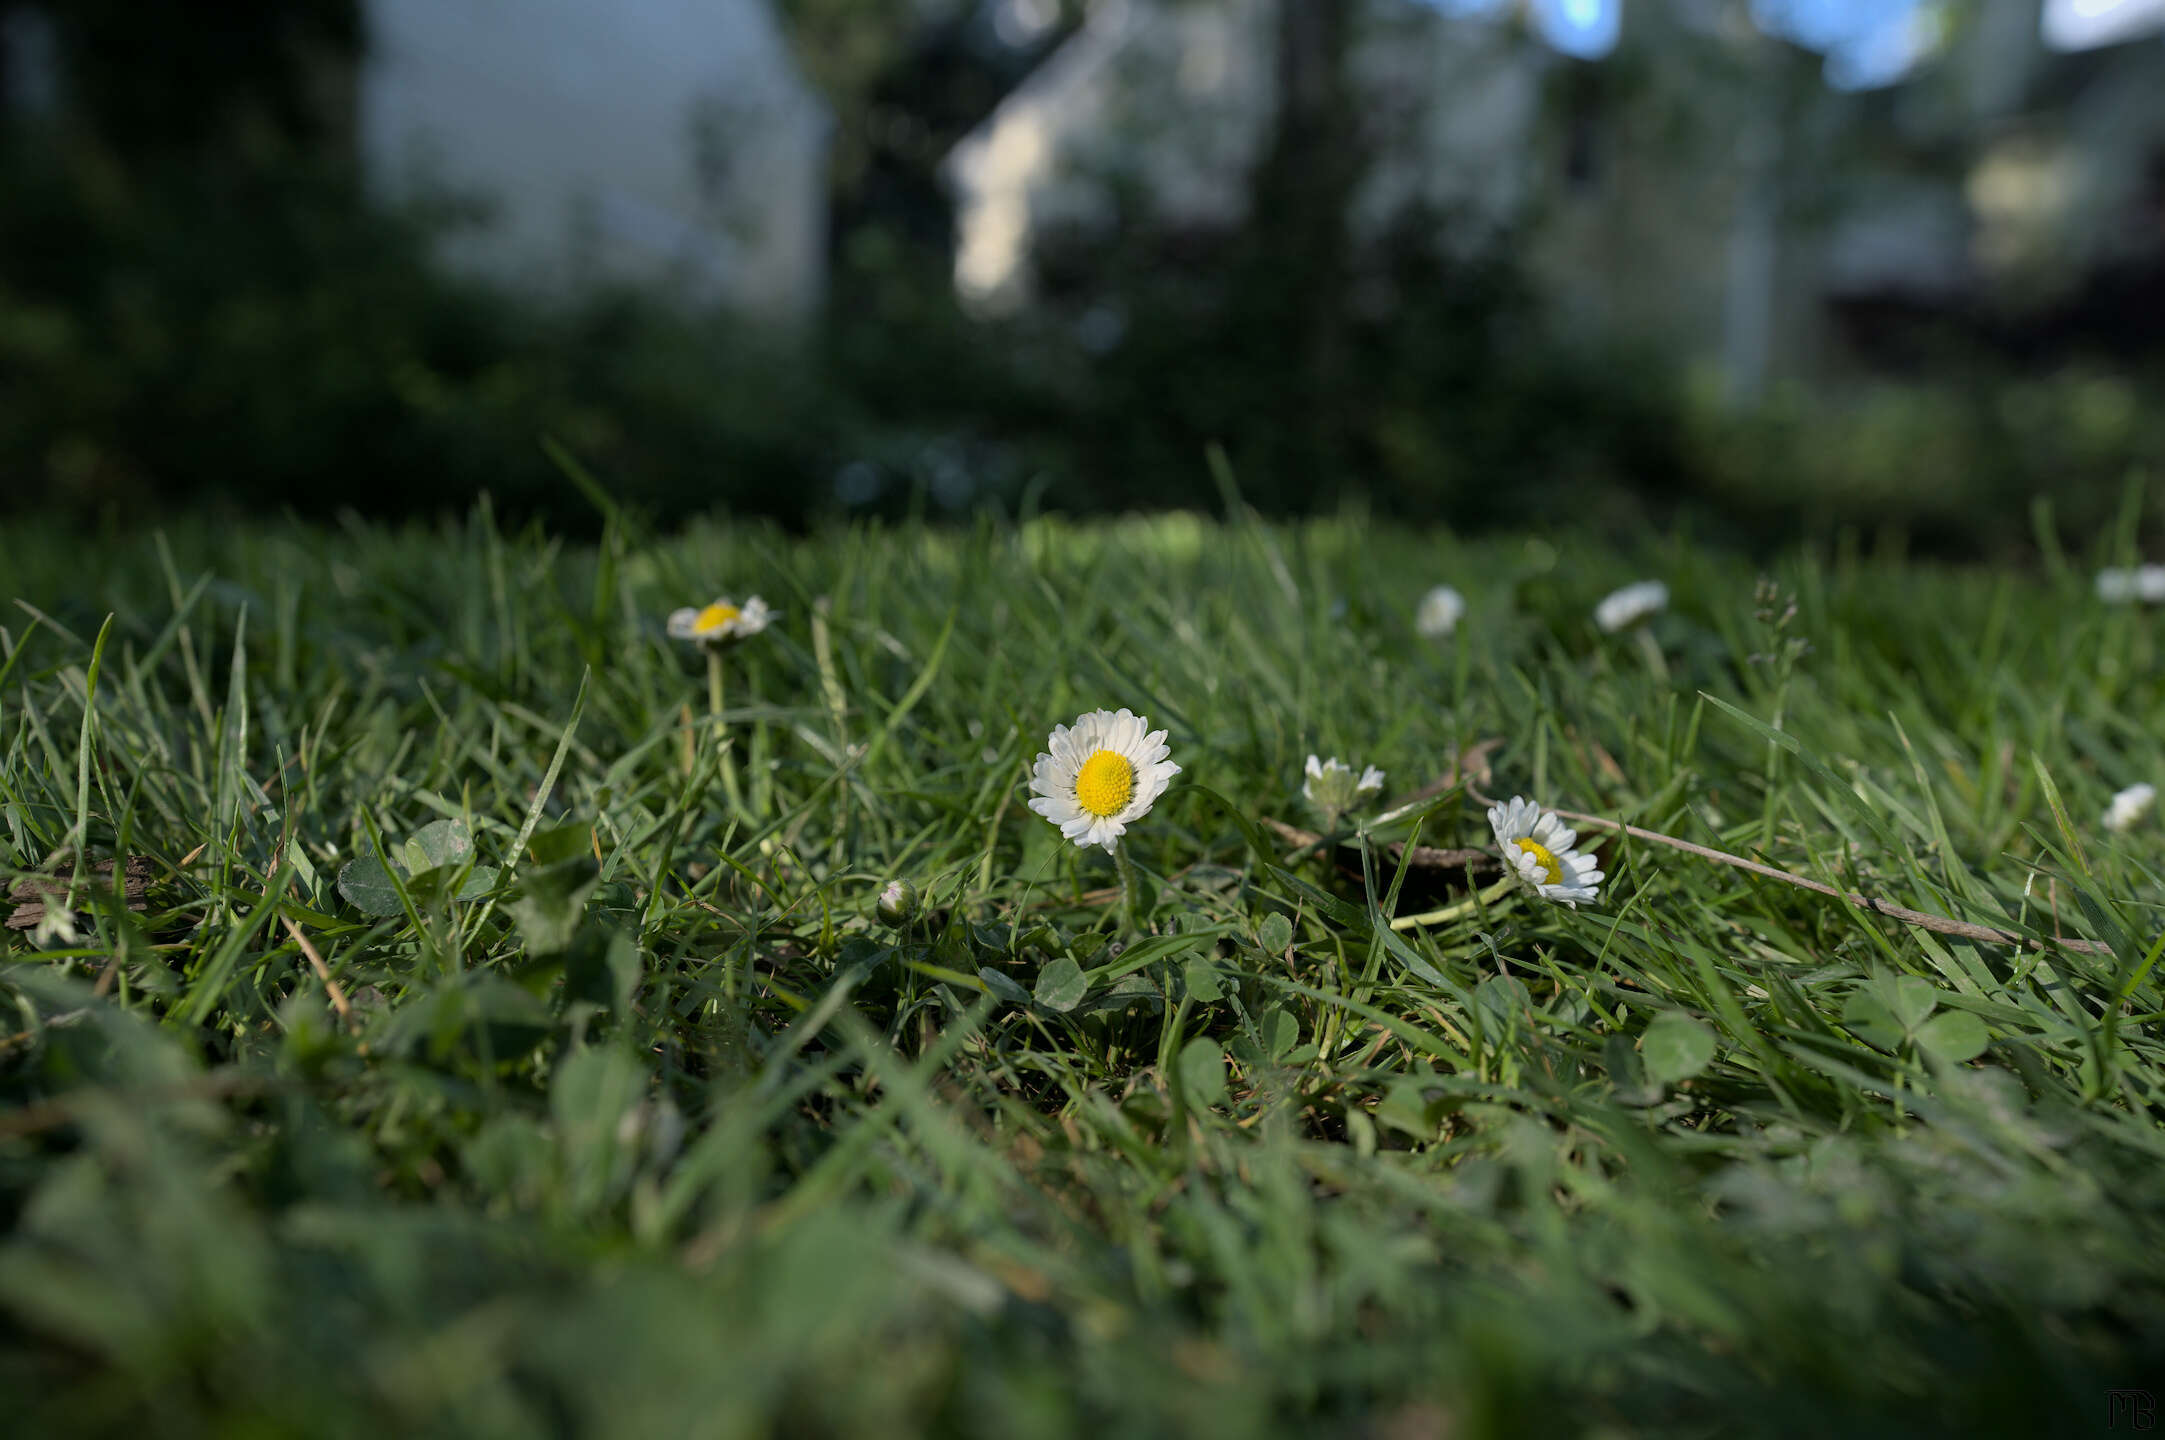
517,1029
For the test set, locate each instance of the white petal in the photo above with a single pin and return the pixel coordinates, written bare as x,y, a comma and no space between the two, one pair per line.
1622,608
2129,806
1149,785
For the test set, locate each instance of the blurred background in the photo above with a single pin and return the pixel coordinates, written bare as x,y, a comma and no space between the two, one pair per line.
1759,268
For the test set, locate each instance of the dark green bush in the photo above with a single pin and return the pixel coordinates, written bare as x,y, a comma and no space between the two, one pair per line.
199,304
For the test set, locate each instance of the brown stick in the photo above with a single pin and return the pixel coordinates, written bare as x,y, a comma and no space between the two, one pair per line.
1923,920
35,894
323,972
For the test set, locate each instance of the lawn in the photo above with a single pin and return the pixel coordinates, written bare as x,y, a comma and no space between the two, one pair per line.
490,1026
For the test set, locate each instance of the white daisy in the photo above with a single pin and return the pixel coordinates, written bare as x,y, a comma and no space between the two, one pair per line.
723,622
1333,788
1537,849
1439,613
1621,609
1100,775
2130,805
2118,586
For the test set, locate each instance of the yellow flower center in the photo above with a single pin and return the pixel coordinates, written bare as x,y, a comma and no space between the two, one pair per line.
1552,871
714,617
1105,783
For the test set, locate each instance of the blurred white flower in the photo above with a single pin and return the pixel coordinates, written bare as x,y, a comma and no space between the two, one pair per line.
1333,788
2121,586
723,622
1536,847
1100,775
1439,613
2129,806
1621,609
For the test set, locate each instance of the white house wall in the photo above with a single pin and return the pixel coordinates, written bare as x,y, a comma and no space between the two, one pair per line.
666,142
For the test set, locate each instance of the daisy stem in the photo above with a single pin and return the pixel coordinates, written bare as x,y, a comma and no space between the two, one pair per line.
714,713
1466,906
1130,886
1651,649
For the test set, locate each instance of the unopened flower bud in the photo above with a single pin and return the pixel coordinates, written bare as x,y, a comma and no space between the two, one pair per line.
897,904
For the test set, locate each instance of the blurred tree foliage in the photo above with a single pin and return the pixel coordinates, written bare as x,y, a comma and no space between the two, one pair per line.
199,301
1401,375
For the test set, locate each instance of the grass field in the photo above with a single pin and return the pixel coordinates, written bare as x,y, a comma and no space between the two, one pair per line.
609,1106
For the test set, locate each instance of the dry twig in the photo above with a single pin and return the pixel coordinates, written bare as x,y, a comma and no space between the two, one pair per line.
1923,920
323,972
34,893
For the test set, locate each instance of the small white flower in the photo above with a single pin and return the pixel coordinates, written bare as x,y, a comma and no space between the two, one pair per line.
1537,850
1100,775
1333,788
2129,806
2117,586
723,622
1621,609
1439,613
